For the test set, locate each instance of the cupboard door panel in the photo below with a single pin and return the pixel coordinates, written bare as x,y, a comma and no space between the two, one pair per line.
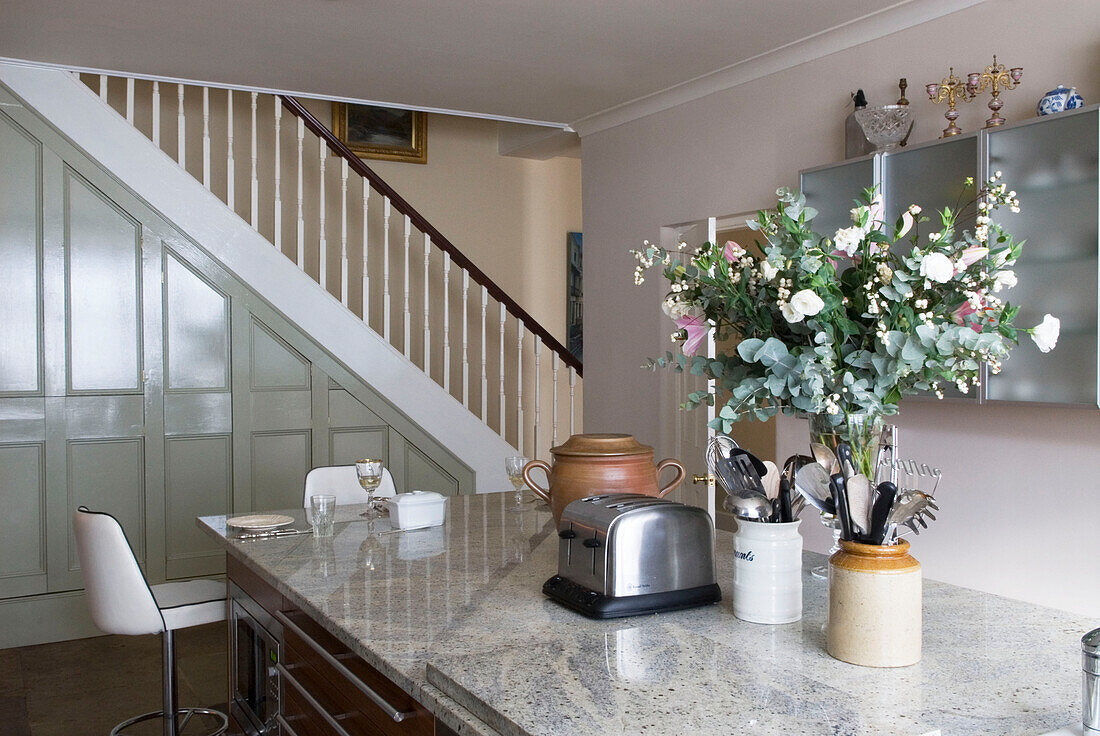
21,275
196,327
348,445
23,523
198,481
103,289
280,461
831,192
108,475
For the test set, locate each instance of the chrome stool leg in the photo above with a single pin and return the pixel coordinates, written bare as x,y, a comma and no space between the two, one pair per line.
172,726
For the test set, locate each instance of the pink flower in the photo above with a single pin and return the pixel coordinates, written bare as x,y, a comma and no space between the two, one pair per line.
696,330
733,252
965,310
969,257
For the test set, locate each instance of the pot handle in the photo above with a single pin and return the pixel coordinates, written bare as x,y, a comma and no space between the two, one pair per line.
538,490
668,462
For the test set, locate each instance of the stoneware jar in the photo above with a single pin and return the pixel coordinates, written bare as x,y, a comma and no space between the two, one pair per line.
874,605
588,464
767,572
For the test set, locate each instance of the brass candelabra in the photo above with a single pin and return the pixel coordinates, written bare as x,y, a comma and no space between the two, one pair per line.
950,90
996,78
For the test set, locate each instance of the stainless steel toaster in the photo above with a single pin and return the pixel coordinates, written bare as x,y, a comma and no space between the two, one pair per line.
627,554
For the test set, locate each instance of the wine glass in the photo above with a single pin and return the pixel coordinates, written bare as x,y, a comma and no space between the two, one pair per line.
829,521
369,473
514,466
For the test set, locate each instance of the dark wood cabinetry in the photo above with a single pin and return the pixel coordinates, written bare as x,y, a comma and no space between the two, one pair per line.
326,689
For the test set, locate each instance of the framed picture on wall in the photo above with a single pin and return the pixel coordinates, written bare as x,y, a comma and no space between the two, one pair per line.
574,295
384,133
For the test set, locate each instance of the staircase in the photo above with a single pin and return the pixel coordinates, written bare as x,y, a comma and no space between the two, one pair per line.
361,270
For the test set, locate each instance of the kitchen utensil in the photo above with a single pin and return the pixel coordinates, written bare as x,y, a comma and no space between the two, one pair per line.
630,554
273,534
884,500
259,522
588,464
824,457
844,458
858,489
757,464
749,505
770,480
812,483
840,501
786,513
907,507
746,469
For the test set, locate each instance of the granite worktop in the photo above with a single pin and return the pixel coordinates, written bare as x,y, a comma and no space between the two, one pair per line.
455,616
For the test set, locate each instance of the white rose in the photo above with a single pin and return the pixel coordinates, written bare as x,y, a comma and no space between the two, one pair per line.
791,314
767,271
937,267
1045,334
807,302
847,240
1004,280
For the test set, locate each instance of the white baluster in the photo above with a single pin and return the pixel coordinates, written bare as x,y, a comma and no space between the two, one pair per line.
572,400
322,241
130,100
554,374
301,234
103,87
156,114
366,272
538,397
181,132
386,268
484,370
519,386
230,163
206,137
254,181
427,329
344,231
500,363
446,321
406,316
465,342
278,229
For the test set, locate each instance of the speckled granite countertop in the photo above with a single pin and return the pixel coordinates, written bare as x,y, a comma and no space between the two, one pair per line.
455,615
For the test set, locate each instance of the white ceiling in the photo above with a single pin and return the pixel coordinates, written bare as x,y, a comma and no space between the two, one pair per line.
550,61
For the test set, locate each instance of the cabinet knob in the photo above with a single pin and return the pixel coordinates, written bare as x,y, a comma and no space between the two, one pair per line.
697,479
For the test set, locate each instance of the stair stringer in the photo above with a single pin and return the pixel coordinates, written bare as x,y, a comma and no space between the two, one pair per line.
94,127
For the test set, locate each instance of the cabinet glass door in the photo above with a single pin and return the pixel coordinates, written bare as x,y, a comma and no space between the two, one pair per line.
833,191
1053,168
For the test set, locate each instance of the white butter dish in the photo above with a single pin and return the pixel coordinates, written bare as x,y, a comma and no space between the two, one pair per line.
417,510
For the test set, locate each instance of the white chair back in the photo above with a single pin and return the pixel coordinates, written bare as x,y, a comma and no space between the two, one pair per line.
118,595
341,481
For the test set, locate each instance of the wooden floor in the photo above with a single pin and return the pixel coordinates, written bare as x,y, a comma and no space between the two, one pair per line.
85,687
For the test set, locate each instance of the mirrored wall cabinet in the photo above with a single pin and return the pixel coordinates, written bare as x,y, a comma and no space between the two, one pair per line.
1052,163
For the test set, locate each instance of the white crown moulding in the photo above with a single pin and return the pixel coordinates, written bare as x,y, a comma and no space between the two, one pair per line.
853,33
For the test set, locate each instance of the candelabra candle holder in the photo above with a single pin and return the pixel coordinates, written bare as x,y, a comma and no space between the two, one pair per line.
950,90
995,78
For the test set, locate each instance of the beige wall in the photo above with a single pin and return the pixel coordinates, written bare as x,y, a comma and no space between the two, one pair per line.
727,152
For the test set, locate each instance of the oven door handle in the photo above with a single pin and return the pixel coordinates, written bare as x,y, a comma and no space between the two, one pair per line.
397,715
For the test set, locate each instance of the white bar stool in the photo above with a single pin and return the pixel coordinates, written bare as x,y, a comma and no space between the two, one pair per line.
342,482
122,602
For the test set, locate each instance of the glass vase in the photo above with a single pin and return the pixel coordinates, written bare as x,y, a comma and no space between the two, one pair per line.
863,433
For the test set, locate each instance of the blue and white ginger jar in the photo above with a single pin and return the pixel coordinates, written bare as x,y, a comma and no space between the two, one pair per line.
1059,99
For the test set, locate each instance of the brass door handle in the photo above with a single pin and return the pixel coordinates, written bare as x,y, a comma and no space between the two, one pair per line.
696,479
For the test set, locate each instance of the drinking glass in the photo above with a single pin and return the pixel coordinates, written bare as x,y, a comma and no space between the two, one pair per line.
369,473
829,521
323,508
514,466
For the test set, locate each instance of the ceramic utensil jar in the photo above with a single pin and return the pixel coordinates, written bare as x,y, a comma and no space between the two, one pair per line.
767,572
874,605
588,464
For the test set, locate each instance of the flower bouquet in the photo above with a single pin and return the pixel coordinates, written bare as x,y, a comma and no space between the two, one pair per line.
830,327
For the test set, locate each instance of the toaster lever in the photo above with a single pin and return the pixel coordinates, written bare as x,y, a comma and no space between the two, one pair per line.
567,534
592,543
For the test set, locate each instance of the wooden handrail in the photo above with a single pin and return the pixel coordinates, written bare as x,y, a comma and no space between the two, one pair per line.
422,224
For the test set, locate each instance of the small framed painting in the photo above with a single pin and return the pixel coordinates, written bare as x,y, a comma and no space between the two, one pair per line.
384,133
574,296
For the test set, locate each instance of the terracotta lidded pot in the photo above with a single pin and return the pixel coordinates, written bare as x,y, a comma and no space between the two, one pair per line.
874,605
590,464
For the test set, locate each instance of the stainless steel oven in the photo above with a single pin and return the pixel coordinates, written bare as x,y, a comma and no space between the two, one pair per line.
255,651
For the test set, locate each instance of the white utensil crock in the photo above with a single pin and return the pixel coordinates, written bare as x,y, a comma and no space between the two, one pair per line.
767,572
